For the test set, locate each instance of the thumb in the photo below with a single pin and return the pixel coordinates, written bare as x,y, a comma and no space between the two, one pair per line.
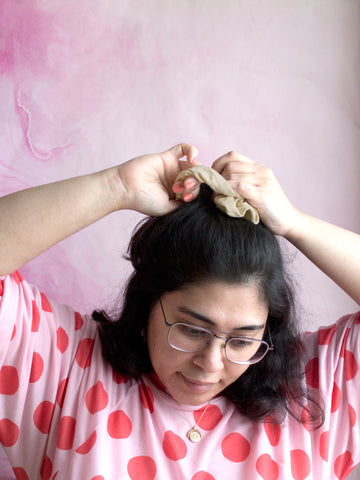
184,150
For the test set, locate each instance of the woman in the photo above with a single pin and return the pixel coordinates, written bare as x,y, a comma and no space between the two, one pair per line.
203,371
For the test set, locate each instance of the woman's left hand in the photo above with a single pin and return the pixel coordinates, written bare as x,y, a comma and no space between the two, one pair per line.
259,186
334,250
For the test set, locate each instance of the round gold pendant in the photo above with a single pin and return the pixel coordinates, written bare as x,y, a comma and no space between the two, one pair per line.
194,435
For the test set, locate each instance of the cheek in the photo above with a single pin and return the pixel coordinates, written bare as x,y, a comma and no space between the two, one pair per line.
158,347
235,372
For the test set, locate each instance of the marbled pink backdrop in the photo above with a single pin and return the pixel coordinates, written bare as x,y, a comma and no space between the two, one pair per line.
87,84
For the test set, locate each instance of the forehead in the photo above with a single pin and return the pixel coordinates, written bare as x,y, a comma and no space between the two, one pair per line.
226,305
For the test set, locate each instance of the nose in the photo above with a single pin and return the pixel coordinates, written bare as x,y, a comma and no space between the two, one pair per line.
212,358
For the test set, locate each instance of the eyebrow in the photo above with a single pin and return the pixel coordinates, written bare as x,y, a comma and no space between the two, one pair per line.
203,318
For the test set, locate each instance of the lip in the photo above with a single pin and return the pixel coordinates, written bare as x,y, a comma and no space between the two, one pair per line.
196,386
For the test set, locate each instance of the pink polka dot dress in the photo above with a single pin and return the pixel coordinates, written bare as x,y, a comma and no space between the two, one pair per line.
65,414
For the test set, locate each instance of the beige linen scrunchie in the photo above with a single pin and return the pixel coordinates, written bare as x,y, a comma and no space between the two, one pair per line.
225,198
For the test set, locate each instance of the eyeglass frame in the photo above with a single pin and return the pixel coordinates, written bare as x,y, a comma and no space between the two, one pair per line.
227,338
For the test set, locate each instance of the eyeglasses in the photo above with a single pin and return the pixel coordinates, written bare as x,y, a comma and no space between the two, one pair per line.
190,338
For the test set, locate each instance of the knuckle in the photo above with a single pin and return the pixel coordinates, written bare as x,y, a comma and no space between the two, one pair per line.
233,155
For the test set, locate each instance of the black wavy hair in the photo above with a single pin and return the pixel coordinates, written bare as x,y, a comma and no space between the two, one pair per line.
198,242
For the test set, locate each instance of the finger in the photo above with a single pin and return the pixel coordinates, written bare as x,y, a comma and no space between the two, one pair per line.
185,150
192,189
232,156
236,169
190,183
189,195
187,188
244,188
249,192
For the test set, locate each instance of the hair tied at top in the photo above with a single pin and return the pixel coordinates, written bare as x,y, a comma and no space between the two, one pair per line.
225,198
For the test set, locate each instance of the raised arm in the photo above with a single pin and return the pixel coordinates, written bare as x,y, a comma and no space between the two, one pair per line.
334,250
33,220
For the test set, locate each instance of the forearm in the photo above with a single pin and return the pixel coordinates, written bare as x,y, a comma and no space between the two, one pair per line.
33,220
334,250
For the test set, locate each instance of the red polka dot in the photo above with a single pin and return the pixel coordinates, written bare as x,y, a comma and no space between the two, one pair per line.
1,287
13,334
37,367
343,465
45,304
120,377
18,277
352,414
96,398
300,464
324,446
351,367
84,352
88,445
235,447
35,320
79,322
325,335
202,476
98,477
146,397
210,419
46,468
66,433
9,432
312,372
43,416
267,468
335,398
61,392
119,425
273,431
20,473
62,340
141,468
174,446
9,380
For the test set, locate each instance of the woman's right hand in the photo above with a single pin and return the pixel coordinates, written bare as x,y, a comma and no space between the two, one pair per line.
33,220
145,183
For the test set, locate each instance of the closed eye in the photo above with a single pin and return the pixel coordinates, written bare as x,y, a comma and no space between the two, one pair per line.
241,343
192,331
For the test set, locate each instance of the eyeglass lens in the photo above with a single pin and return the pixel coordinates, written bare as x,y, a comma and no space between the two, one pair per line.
192,339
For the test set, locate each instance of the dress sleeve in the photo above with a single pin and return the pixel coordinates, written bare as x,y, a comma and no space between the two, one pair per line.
40,341
332,370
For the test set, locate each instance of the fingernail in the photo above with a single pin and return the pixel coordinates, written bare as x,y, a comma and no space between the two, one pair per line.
187,197
190,184
177,188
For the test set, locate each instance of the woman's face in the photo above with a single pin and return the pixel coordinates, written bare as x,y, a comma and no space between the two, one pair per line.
195,378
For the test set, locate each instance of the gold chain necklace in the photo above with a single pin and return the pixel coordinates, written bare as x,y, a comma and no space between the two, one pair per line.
194,434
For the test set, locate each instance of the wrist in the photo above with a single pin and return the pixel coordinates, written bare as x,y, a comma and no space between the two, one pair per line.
113,189
298,228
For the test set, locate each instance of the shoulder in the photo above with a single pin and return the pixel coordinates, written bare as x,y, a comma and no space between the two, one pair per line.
332,354
334,337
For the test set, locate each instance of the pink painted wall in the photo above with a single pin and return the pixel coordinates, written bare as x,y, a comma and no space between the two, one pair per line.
85,85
